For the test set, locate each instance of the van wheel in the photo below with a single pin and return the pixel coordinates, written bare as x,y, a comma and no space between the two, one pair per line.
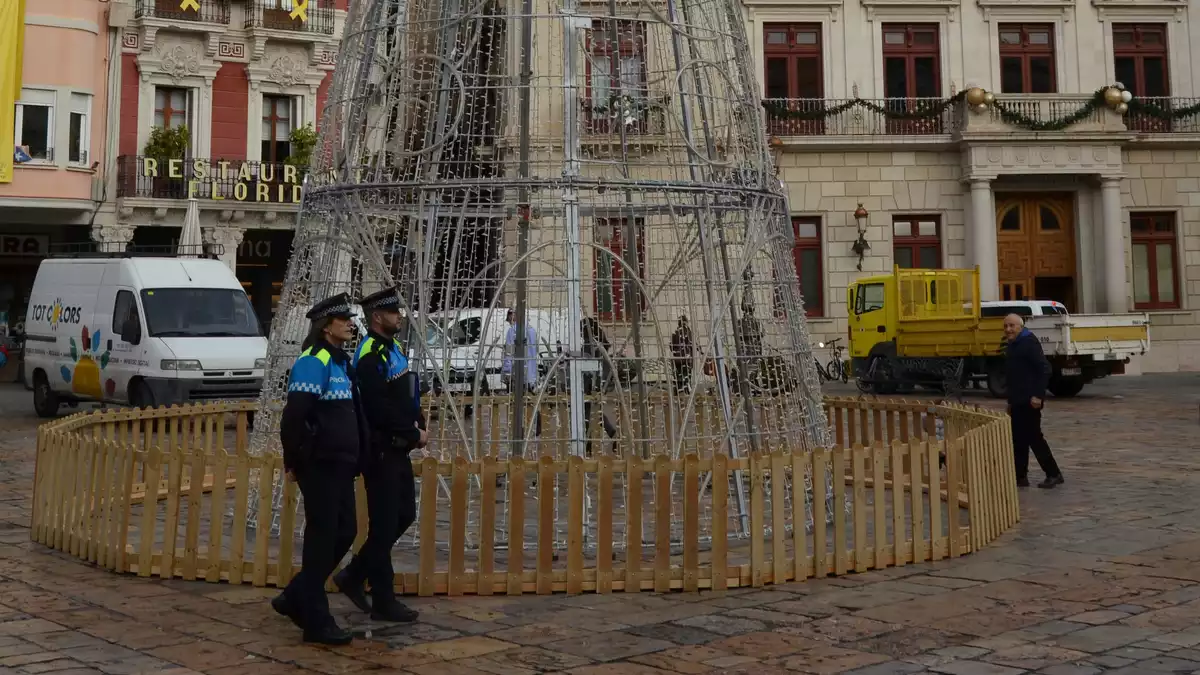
1065,387
997,382
45,401
140,395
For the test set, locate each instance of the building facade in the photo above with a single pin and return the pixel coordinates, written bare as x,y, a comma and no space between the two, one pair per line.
131,107
219,101
61,143
1050,191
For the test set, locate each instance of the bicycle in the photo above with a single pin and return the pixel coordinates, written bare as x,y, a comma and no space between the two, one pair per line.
837,369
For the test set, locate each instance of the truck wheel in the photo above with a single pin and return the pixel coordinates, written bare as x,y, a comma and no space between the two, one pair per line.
997,382
140,395
45,401
880,370
1065,387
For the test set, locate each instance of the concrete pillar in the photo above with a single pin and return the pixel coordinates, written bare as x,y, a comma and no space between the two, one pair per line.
983,239
113,238
1115,287
228,239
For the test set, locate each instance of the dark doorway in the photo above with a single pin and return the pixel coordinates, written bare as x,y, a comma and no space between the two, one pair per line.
1059,289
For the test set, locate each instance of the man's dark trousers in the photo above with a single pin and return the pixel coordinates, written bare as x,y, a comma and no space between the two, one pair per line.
329,529
391,510
1027,435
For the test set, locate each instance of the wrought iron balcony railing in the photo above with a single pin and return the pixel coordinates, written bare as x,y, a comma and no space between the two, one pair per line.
291,15
858,117
638,115
208,11
208,180
1157,115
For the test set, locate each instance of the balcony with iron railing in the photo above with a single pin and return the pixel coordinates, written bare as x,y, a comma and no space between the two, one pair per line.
205,11
817,122
1164,115
642,120
316,18
223,183
809,117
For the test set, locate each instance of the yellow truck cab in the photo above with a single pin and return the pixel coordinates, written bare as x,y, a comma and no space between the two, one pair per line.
921,327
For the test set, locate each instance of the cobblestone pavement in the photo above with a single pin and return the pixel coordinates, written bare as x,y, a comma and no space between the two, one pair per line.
1102,575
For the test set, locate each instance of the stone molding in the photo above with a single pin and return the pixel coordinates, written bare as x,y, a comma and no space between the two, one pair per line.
984,160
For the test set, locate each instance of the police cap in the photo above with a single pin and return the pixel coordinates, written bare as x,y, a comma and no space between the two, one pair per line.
387,299
336,306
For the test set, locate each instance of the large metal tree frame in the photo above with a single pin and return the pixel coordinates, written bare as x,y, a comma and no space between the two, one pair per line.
582,164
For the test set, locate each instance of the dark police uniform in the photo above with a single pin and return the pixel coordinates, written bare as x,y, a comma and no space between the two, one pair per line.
322,448
392,403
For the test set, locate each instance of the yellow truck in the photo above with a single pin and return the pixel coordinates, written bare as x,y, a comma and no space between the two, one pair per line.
923,327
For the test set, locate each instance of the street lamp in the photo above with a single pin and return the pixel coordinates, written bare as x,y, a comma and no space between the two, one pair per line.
860,246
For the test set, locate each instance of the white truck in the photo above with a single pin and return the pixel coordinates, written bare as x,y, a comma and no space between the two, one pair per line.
1081,347
140,330
468,344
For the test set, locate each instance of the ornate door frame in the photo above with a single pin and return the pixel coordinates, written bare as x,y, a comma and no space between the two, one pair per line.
1035,237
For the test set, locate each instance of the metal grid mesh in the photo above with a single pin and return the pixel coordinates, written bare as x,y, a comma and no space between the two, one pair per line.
598,168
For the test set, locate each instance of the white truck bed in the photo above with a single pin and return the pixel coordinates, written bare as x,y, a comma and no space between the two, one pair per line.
1104,337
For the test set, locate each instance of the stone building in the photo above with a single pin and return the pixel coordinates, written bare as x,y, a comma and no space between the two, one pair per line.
1101,213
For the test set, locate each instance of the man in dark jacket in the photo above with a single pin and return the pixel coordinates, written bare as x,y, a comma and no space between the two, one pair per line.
1028,374
392,401
319,432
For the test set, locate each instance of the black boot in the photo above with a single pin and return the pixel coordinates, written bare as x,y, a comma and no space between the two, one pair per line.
1051,482
353,589
331,634
394,611
1022,482
284,607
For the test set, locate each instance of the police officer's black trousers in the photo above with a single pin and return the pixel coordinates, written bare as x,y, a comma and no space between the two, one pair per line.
329,529
1027,435
391,510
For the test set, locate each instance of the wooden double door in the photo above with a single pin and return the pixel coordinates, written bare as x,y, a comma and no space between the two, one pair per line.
1035,242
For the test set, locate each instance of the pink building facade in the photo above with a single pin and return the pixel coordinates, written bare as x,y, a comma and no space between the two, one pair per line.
62,125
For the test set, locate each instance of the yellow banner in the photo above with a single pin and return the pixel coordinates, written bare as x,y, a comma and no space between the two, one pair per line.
12,56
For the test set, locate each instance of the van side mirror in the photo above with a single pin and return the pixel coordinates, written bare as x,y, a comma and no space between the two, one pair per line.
131,331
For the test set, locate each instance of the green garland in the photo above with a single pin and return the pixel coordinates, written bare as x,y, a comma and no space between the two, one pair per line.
1025,122
921,109
924,109
1159,112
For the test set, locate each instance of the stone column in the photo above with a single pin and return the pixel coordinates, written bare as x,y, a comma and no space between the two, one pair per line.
1115,288
983,239
113,238
229,239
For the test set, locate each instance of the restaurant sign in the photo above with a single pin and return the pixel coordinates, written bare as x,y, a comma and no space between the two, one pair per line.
229,180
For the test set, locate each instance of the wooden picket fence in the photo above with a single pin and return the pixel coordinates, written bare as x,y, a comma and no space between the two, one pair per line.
166,493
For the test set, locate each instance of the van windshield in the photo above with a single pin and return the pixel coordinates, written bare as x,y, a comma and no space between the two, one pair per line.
199,312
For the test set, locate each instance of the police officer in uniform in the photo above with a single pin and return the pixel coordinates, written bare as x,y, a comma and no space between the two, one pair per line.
322,452
392,403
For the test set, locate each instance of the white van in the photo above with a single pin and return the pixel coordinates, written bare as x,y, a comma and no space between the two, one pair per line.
466,341
143,331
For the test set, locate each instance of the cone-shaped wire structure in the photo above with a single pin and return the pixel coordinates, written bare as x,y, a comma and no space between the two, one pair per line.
600,171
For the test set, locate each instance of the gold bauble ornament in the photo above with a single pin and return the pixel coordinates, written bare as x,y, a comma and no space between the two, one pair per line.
975,96
989,98
1122,109
1112,96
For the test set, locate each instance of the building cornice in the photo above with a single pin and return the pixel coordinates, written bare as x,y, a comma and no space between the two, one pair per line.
1118,9
1066,8
949,7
